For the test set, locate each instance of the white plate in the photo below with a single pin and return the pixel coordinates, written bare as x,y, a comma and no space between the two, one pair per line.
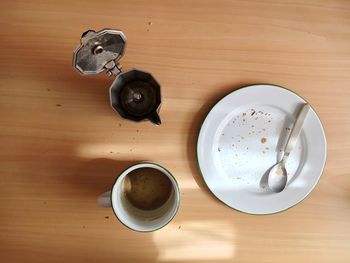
243,136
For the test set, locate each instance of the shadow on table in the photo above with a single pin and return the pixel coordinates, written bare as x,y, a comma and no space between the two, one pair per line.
96,176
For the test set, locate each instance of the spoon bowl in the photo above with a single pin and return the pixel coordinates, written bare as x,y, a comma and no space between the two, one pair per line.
277,177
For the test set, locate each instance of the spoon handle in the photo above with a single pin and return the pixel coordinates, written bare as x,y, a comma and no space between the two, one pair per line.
293,137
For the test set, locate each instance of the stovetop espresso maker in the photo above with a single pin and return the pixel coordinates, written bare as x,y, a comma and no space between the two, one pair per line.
134,94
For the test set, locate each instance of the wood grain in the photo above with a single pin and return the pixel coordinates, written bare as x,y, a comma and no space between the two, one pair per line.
62,145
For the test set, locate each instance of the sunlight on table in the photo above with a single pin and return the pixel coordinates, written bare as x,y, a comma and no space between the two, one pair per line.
196,240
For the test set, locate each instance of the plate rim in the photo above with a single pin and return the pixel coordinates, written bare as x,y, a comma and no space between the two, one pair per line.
205,118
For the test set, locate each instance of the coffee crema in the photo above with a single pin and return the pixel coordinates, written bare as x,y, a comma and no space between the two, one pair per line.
147,188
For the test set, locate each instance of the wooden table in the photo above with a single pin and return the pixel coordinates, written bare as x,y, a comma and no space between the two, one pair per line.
62,145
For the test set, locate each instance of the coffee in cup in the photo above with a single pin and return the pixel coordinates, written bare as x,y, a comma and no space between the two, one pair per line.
145,197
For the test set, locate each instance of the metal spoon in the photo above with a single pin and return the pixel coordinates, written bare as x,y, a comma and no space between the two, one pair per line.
277,177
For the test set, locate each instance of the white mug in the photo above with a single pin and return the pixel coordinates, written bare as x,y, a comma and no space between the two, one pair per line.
133,217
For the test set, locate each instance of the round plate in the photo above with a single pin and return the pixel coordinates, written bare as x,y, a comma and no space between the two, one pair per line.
244,135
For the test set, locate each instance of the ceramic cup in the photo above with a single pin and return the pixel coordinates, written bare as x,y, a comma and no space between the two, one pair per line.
133,217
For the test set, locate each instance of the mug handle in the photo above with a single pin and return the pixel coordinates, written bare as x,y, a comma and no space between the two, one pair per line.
104,200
